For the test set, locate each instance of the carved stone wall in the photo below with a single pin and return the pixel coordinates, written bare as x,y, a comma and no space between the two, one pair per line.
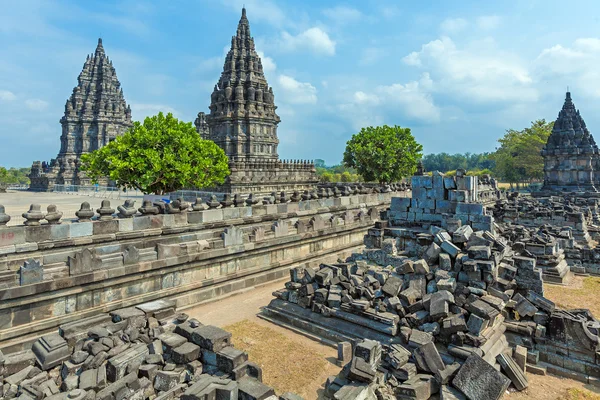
56,273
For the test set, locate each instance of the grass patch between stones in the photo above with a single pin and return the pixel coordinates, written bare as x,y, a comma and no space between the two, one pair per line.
582,297
287,366
580,394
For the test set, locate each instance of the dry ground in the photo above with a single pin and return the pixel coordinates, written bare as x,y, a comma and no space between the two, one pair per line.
554,388
582,292
292,362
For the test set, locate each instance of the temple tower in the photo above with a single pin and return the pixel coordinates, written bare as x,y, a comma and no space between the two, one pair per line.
242,119
95,114
243,122
571,155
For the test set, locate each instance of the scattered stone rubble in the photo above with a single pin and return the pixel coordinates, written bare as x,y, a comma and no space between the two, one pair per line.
443,309
142,352
553,229
437,306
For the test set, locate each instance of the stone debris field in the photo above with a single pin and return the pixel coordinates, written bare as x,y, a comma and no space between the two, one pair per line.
140,352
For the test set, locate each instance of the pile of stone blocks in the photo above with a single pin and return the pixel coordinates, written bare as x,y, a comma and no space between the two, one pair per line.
143,352
438,197
437,314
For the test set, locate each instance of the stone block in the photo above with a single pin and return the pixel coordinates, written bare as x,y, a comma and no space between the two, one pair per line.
60,232
513,371
520,357
450,248
142,222
11,235
125,224
170,341
476,324
212,387
428,358
211,338
135,318
185,353
400,204
392,285
105,227
229,358
116,367
211,215
31,272
252,389
477,379
50,351
81,229
421,267
38,233
166,380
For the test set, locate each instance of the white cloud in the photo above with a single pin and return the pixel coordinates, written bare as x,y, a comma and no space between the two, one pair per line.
342,14
453,25
295,92
393,103
575,66
6,95
36,104
314,39
268,63
479,73
140,111
488,22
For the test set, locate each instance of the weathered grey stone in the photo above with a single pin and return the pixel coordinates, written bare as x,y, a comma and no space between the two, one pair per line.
513,371
211,338
116,368
479,380
50,351
31,272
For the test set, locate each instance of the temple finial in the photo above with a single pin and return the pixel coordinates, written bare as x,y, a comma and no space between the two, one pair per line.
99,48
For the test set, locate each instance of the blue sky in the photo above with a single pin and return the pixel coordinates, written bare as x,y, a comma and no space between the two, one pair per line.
459,73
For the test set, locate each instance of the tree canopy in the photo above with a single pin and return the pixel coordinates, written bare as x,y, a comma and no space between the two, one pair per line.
450,162
519,159
384,154
159,156
14,175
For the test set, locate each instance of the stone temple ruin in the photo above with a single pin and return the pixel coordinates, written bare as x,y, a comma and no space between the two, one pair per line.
243,122
447,298
571,157
95,114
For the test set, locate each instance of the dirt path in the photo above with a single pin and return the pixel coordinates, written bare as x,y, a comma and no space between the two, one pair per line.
239,312
245,307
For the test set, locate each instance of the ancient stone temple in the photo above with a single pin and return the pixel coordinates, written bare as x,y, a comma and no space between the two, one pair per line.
243,122
95,114
571,157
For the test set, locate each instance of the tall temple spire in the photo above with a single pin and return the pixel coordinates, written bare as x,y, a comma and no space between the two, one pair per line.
571,156
243,122
99,48
95,113
242,116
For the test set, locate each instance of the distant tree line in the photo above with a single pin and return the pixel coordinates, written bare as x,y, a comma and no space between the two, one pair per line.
12,176
338,173
445,162
516,161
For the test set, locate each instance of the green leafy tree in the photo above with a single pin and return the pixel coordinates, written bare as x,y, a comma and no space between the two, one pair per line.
159,156
326,177
346,177
519,159
384,154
